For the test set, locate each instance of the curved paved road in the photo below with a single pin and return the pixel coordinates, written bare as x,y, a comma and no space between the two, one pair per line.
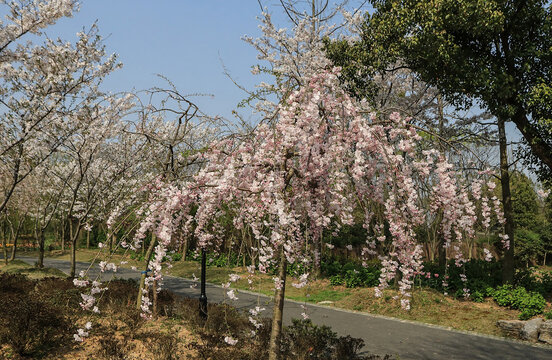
406,340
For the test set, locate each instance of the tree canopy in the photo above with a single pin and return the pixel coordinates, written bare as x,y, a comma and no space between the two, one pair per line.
495,53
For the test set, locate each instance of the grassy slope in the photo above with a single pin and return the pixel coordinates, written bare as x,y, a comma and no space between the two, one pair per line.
427,306
21,267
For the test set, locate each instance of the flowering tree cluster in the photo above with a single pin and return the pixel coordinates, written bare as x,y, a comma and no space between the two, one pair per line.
46,87
154,165
326,157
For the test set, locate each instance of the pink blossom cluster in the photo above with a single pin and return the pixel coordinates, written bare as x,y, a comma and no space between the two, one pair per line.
323,159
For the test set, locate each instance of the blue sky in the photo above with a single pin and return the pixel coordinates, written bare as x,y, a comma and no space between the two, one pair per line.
184,40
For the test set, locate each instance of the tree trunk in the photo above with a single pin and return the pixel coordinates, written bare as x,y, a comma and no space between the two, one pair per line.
508,265
277,315
14,249
5,249
184,248
73,259
88,239
41,240
154,310
317,246
62,236
111,236
441,251
74,243
15,238
144,273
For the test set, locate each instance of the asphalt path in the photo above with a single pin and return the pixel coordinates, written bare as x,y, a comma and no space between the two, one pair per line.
382,335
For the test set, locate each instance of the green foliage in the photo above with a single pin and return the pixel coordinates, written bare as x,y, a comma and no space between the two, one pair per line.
477,296
296,269
529,303
532,280
219,260
176,256
528,245
479,274
348,235
351,274
498,53
525,203
137,256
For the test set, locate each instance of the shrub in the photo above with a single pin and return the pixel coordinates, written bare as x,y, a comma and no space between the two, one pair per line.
296,269
477,296
304,340
15,283
31,325
120,294
112,347
137,256
163,346
301,340
533,281
352,274
176,256
480,274
336,280
330,268
529,303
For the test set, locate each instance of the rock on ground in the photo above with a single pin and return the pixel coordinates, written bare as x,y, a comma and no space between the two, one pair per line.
530,330
512,327
545,332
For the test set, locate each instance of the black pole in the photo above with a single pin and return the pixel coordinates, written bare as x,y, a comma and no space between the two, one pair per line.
203,296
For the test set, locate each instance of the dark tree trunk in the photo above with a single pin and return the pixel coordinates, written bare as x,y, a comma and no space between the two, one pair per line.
5,249
14,249
144,272
74,233
509,265
63,232
41,239
15,238
277,315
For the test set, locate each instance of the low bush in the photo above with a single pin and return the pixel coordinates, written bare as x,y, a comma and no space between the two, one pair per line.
532,280
39,318
479,275
304,340
528,302
352,274
113,347
176,256
163,346
301,340
29,323
357,278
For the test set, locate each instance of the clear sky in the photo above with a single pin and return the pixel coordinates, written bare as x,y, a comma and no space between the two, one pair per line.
185,40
